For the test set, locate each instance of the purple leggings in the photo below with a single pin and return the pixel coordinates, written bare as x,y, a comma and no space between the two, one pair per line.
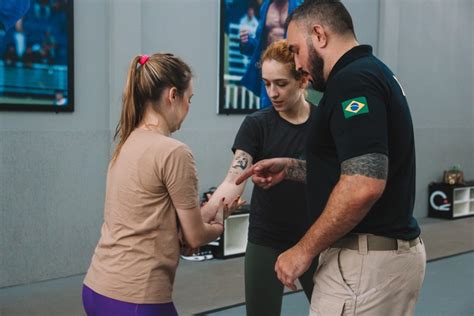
99,305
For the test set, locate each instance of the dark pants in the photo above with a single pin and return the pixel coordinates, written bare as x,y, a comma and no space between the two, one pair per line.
99,305
263,290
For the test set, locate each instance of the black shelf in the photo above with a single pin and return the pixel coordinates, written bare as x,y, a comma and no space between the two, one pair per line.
451,201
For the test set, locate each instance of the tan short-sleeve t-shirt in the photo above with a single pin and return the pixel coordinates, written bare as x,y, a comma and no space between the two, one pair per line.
138,252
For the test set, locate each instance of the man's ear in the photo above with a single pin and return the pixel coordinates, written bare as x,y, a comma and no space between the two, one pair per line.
319,36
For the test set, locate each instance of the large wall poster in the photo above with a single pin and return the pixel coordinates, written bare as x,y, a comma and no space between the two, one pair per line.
247,27
36,55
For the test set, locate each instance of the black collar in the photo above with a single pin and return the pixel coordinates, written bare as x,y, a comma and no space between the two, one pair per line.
351,55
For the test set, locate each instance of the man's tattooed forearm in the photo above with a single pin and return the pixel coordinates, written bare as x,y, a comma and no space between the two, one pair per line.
241,162
296,171
369,165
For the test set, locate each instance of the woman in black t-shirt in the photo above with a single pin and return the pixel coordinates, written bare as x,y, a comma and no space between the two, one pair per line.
278,216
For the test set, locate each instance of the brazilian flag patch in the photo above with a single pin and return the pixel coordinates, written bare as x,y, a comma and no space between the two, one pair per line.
356,106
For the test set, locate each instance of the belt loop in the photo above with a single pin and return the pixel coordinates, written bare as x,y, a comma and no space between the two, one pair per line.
363,244
403,245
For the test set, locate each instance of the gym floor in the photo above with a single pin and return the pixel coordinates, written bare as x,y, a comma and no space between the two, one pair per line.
210,287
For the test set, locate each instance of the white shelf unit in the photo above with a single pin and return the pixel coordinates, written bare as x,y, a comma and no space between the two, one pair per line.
463,201
233,242
235,234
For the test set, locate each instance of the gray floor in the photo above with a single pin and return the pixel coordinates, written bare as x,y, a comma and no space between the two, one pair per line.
448,290
204,286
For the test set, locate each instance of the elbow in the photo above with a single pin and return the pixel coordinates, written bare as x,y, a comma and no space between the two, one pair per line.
372,193
365,194
194,243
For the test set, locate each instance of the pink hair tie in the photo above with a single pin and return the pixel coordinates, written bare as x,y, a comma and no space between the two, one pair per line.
143,59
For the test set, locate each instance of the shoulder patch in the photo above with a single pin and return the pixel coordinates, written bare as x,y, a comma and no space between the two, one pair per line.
356,106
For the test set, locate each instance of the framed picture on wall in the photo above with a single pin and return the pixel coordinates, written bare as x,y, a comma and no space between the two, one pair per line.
247,27
37,55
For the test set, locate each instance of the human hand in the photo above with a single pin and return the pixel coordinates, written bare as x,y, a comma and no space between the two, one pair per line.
291,265
210,210
209,205
244,36
234,205
208,197
225,209
219,218
265,173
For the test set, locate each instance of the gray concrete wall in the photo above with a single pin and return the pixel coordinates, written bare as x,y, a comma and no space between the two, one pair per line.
53,166
429,44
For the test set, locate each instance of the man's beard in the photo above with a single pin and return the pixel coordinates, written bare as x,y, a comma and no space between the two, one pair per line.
316,64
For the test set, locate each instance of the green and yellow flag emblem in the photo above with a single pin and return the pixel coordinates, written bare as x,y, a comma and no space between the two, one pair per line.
356,106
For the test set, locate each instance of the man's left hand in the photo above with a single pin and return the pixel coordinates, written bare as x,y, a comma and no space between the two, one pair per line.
291,265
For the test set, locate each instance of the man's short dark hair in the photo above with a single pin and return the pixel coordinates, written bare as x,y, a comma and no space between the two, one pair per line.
331,13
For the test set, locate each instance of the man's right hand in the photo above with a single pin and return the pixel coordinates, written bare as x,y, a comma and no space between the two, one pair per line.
266,173
244,36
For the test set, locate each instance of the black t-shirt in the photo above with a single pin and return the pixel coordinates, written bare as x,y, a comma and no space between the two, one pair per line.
364,110
278,216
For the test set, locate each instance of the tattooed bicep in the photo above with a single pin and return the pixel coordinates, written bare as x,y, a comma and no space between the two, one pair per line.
369,165
241,161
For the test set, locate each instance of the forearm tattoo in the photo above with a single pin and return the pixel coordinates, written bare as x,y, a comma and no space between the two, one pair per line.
241,162
369,165
296,171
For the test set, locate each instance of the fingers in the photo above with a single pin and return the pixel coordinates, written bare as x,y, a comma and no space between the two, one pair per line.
266,165
245,175
290,283
244,38
236,204
240,202
220,212
286,279
244,35
261,170
226,212
219,217
262,182
231,208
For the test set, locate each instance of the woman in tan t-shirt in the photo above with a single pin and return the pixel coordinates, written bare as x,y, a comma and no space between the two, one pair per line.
151,190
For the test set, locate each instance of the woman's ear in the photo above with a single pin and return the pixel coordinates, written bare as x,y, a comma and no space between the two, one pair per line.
304,82
172,94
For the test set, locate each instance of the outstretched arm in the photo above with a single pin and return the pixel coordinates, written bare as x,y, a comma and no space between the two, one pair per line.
228,189
266,173
296,170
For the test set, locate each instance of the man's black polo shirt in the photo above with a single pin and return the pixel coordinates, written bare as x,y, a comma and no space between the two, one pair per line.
364,110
